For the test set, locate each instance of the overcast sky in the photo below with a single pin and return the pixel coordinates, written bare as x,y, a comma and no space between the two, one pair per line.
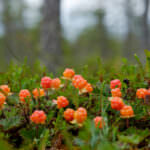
73,22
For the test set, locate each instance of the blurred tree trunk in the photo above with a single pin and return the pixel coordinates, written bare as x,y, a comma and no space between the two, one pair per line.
146,25
51,35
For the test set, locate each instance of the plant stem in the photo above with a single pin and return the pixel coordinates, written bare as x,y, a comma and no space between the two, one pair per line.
127,122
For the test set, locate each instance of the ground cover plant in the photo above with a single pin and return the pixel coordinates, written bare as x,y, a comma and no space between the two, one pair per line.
80,110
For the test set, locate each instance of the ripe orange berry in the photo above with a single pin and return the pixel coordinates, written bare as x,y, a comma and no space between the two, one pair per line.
117,103
126,112
38,93
69,114
74,80
116,92
88,88
80,82
38,117
24,94
46,82
56,83
62,102
99,122
140,93
115,84
80,115
2,99
5,89
68,73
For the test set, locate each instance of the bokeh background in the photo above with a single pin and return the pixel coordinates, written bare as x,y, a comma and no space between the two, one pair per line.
60,33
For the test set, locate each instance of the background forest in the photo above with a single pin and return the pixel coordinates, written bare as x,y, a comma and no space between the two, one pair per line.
72,32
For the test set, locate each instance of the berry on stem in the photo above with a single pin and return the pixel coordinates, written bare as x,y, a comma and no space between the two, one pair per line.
126,112
62,102
80,115
5,89
117,103
38,117
56,83
69,114
116,92
24,94
140,93
68,73
115,84
38,93
46,82
2,99
99,122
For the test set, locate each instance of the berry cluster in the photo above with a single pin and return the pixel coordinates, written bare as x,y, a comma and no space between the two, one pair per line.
117,102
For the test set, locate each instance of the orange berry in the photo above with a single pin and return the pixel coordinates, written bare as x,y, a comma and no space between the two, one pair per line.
38,117
117,103
126,112
140,93
79,82
68,73
69,114
80,115
38,93
56,83
115,84
2,99
88,88
62,102
5,89
46,82
116,92
99,122
24,94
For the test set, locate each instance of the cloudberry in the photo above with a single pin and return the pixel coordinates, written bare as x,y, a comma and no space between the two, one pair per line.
5,89
56,83
117,103
140,93
80,115
24,94
74,80
115,84
79,83
38,93
46,82
68,73
2,99
62,102
38,117
116,92
126,112
89,88
69,114
99,122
